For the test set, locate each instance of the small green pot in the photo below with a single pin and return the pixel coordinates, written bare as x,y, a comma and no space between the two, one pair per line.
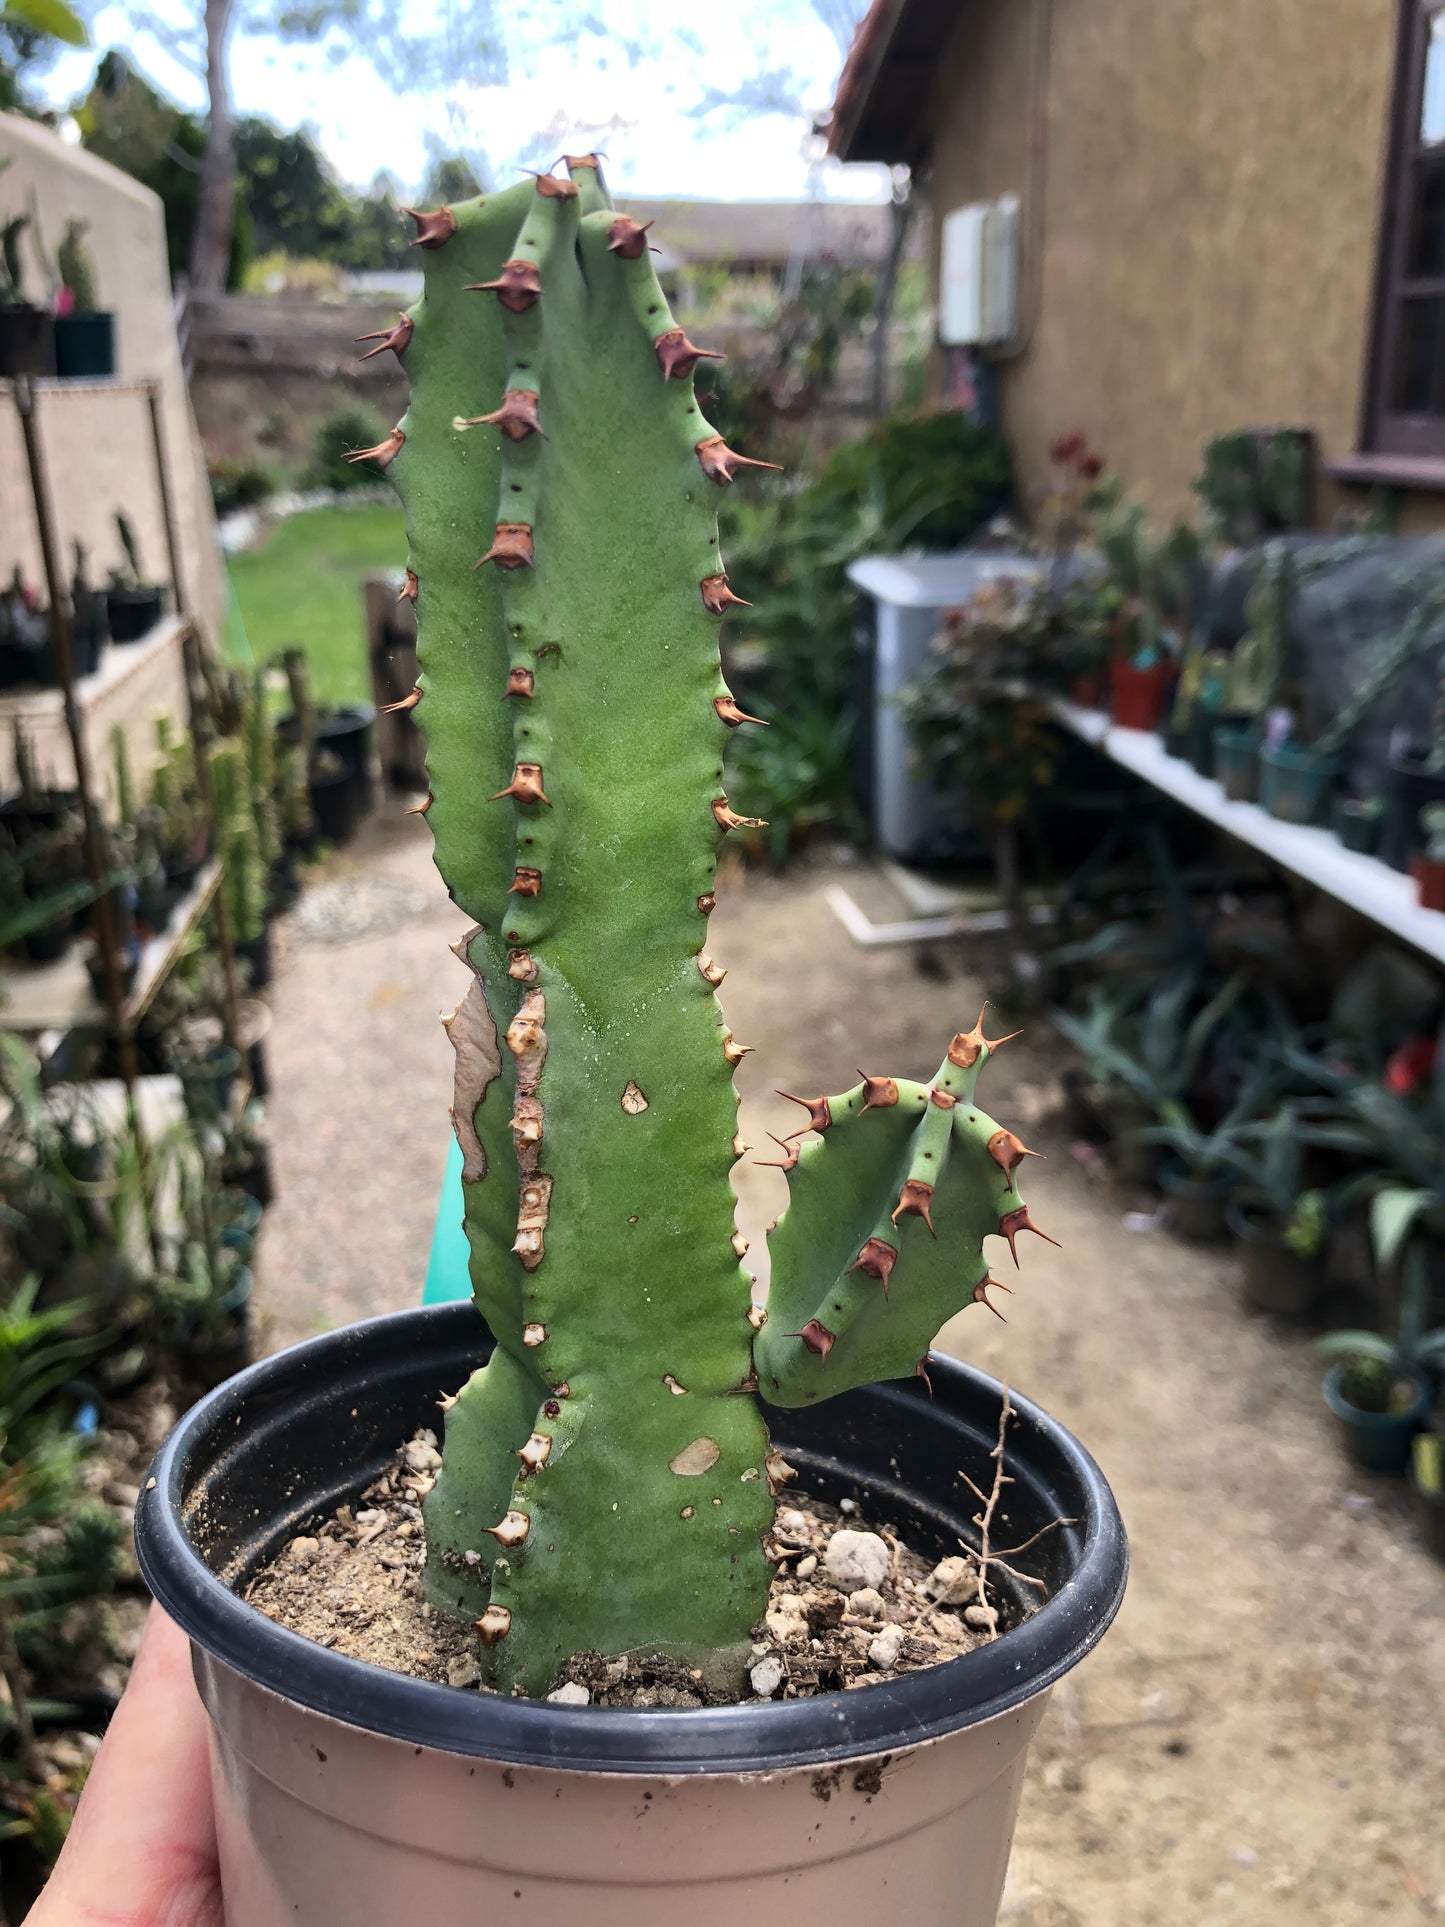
1357,823
1196,1205
1236,762
1294,783
1377,1441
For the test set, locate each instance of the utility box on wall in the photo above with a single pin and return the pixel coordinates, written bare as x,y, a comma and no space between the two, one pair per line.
978,279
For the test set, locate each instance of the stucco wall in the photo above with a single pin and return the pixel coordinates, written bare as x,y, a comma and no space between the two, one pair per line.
1211,196
98,443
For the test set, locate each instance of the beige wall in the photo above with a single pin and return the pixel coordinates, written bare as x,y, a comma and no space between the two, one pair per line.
98,445
1210,205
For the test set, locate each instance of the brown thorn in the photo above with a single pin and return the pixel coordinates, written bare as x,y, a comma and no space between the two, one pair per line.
943,1099
517,287
511,547
718,598
384,454
981,1291
518,416
920,1370
526,786
395,338
677,357
420,809
734,1052
408,589
569,161
728,819
627,238
915,1200
721,463
1008,1152
433,230
820,1115
714,973
520,682
407,702
1013,1222
551,188
875,1260
789,1151
729,713
879,1093
526,882
816,1336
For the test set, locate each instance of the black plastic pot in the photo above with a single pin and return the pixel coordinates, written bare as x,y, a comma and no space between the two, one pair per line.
85,344
1411,787
1377,1441
27,342
254,1177
133,613
50,944
256,951
1274,1278
278,1448
336,805
1196,1205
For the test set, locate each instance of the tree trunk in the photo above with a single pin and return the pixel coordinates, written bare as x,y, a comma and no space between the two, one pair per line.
899,212
216,198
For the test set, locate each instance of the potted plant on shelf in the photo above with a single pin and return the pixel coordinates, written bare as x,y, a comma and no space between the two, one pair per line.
602,1495
1380,1389
46,834
133,602
1417,774
84,332
1159,584
184,833
1358,821
27,332
1429,866
1427,1480
25,655
336,748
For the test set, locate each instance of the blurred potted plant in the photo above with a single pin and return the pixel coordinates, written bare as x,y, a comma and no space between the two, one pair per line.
84,332
1429,866
133,602
1380,1389
25,653
1427,1480
336,744
45,831
1417,773
27,332
181,824
1358,821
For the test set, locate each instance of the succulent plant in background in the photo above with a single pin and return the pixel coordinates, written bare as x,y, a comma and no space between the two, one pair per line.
77,269
243,871
12,264
610,1453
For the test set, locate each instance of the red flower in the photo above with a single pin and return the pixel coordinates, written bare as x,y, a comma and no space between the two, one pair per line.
1068,448
1411,1064
1091,467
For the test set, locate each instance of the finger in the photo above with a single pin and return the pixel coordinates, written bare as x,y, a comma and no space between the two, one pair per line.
142,1847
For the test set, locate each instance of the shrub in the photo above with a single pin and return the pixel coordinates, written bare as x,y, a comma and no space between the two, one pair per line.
239,484
338,436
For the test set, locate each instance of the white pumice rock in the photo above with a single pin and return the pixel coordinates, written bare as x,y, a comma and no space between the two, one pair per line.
951,1582
807,1566
885,1647
791,1524
856,1559
767,1676
570,1695
788,1623
983,1617
463,1670
867,1603
418,1456
304,1550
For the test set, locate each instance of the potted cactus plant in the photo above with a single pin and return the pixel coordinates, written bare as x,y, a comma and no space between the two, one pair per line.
133,602
27,333
84,332
604,1485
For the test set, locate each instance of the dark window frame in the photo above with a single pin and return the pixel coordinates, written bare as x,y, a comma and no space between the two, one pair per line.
1387,430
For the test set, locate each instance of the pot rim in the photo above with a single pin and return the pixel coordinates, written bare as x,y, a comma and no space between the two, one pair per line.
1377,1421
756,1736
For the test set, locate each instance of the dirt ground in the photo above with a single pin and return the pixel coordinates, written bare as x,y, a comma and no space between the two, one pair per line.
1258,1742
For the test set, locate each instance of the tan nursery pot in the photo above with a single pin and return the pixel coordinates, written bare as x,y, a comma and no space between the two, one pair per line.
345,1793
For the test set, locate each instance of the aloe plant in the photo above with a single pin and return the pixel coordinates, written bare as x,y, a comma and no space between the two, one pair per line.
605,1475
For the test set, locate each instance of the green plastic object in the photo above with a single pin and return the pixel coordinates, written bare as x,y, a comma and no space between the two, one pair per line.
606,1475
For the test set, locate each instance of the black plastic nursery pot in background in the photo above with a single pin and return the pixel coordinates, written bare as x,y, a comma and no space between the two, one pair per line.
1273,1278
27,342
85,345
1196,1205
133,613
347,1793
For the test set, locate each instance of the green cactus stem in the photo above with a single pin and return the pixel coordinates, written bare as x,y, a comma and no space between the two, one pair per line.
605,1475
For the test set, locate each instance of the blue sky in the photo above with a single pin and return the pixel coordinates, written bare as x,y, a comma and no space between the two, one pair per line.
641,90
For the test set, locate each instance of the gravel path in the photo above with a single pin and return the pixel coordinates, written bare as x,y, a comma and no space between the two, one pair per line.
1258,1741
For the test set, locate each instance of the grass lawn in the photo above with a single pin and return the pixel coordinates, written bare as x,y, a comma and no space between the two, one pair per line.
302,586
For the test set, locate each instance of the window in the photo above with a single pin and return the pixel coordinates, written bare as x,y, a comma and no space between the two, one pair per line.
1405,406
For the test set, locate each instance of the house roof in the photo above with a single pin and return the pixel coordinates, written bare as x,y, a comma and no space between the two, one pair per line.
764,232
877,108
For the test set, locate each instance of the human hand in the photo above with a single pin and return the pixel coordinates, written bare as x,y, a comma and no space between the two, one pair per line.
142,1847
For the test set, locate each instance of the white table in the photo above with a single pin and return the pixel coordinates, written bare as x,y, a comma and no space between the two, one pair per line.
1363,883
